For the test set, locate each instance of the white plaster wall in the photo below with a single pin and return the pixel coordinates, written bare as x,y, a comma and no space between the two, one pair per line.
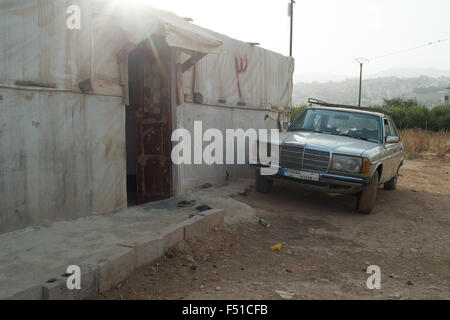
222,118
62,156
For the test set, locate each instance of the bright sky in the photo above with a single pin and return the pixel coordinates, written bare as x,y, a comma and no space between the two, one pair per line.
329,34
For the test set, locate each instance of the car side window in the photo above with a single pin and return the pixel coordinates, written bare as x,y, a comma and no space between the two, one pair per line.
387,131
392,128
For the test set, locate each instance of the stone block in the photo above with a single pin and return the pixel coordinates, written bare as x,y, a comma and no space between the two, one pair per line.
58,289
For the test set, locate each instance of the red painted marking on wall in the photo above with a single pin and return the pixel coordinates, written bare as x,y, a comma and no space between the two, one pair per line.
241,67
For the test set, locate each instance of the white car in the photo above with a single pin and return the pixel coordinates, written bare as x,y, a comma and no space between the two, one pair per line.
339,149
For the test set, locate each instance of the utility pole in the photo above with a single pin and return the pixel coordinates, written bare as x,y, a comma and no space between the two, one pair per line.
291,14
361,61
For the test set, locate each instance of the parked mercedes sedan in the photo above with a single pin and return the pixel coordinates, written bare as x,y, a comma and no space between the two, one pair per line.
338,149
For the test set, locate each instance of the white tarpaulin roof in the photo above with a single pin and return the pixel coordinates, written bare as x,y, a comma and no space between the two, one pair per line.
237,74
42,49
139,22
242,75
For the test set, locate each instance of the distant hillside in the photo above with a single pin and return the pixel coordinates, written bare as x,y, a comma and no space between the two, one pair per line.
411,73
425,89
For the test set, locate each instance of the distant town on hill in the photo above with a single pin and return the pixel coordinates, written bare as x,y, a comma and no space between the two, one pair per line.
427,90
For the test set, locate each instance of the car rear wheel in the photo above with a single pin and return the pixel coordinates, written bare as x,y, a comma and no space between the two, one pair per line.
262,184
391,184
366,199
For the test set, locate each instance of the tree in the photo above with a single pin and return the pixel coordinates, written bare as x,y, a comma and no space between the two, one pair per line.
440,117
296,110
408,113
400,102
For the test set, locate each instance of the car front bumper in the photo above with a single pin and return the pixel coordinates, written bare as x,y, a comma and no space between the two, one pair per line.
329,183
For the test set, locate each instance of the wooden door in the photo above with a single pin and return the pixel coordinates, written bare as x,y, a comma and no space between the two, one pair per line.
149,78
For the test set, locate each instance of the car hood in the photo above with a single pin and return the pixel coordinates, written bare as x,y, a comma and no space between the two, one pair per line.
333,143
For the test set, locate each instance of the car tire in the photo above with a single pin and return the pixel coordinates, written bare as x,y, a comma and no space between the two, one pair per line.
366,199
391,184
262,184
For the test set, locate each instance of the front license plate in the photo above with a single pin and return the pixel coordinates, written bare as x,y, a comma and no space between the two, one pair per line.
304,175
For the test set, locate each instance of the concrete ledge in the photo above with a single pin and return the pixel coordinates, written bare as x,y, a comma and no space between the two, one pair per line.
217,213
32,293
89,285
190,226
203,222
148,252
115,264
172,236
120,263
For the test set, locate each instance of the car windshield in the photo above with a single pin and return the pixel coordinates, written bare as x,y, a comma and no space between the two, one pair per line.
346,123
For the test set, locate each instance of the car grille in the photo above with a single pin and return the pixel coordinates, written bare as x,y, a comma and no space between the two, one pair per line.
301,158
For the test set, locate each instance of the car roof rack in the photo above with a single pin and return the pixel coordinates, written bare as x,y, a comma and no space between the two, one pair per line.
312,101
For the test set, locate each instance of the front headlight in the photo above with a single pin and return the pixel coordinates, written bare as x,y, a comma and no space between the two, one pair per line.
346,163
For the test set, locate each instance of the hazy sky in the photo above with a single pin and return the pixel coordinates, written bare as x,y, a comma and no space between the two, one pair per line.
329,34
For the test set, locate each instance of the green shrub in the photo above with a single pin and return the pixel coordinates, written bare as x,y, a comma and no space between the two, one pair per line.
296,110
400,102
408,113
440,117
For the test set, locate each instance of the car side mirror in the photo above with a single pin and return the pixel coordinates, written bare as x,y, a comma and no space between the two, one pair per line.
286,125
392,139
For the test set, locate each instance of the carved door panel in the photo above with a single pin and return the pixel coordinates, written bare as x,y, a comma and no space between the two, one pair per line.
151,97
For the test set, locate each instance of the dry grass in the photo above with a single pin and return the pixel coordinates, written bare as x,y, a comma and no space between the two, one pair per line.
419,141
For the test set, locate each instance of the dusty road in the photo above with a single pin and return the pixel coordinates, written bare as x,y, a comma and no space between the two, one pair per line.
326,247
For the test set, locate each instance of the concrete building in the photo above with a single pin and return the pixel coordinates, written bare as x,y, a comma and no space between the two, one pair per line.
91,90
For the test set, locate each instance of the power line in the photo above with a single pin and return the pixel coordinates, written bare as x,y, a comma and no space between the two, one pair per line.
411,49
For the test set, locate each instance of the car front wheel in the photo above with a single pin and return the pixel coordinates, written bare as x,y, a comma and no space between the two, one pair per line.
366,199
391,184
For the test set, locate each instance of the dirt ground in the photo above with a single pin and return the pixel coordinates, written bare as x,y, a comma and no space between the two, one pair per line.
326,247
